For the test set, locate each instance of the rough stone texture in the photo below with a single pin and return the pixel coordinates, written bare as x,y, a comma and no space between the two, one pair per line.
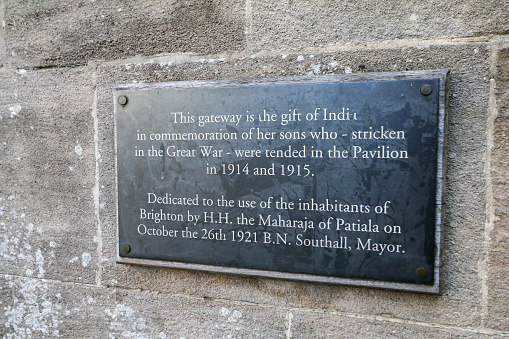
58,222
63,32
498,286
337,325
2,45
179,317
304,23
47,216
461,303
39,308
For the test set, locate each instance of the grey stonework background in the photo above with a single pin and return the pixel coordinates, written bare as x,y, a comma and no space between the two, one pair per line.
59,60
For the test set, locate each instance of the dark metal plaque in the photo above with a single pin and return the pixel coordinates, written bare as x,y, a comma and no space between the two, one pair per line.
335,178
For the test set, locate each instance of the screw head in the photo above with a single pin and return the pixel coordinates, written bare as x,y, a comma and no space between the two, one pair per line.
122,100
126,248
426,89
421,273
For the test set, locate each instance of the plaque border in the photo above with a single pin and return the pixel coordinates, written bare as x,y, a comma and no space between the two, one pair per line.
441,74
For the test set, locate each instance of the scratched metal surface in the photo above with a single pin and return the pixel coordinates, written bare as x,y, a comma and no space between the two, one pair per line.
409,184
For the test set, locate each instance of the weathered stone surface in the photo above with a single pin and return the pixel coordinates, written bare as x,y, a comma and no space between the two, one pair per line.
74,32
58,276
42,309
2,48
307,324
47,166
498,257
465,216
38,308
300,23
178,317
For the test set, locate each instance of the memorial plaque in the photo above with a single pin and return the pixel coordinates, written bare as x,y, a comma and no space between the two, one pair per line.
332,178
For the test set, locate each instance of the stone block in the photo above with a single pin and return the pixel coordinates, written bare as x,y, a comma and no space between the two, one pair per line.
57,33
497,283
154,315
307,324
294,24
465,215
38,308
47,170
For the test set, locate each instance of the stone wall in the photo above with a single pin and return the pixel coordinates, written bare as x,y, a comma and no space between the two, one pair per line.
59,60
